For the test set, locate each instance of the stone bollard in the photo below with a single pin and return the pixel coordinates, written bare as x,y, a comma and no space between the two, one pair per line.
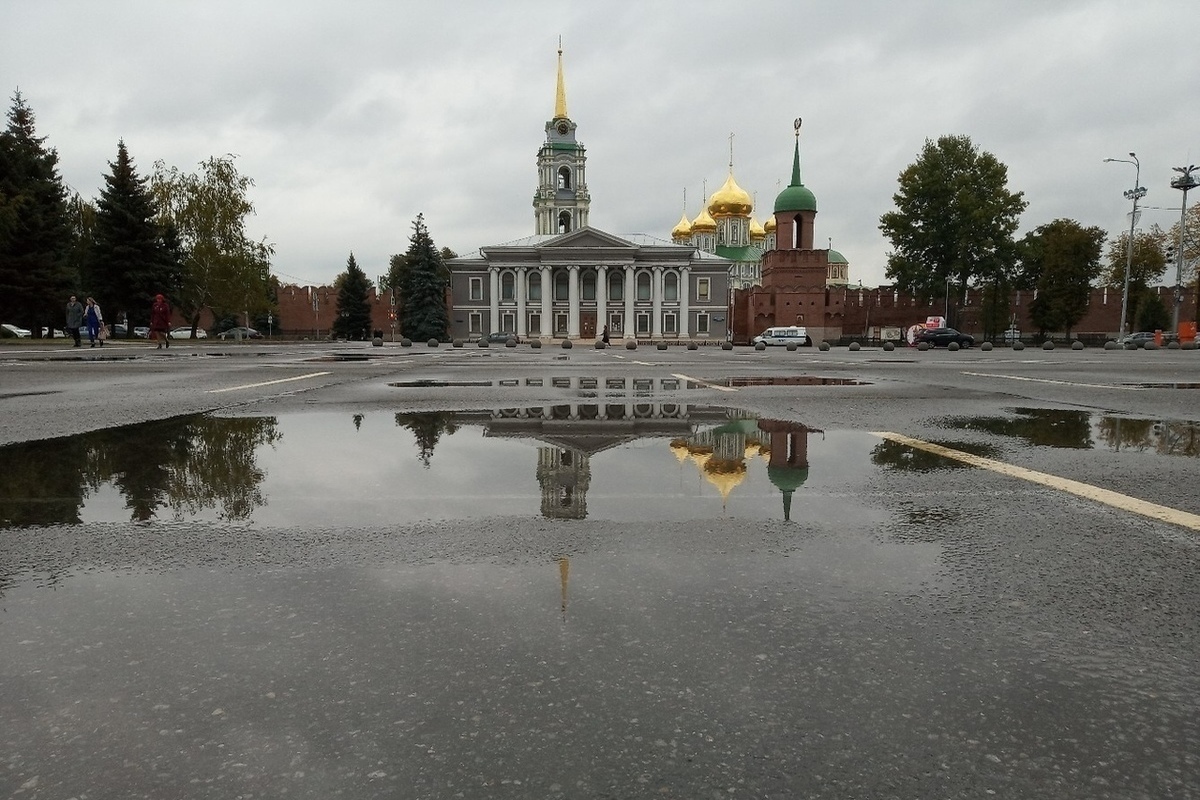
923,346
986,347
567,345
1047,345
377,341
791,346
510,342
1110,345
600,344
952,347
726,345
889,346
760,346
1172,345
406,342
824,347
483,342
692,346
1018,345
631,344
457,343
1150,346
433,343
536,344
855,347
1076,345
662,345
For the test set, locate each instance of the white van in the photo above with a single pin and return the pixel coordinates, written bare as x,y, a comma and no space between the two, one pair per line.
784,336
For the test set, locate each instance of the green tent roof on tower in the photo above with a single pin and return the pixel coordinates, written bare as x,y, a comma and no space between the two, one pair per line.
796,197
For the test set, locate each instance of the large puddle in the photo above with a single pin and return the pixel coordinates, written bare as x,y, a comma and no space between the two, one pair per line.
1085,430
620,462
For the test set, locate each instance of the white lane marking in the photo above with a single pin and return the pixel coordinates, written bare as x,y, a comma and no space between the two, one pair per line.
705,384
1060,383
267,383
1086,490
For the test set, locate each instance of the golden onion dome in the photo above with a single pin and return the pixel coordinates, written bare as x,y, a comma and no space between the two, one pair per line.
730,200
704,222
724,474
683,230
769,225
756,231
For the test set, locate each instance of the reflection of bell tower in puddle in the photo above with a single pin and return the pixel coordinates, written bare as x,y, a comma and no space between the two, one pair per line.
787,463
564,475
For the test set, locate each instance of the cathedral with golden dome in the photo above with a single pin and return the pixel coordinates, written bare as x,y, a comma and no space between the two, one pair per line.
727,226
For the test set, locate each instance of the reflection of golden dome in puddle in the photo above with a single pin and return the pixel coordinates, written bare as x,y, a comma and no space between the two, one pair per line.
752,449
764,450
725,474
680,448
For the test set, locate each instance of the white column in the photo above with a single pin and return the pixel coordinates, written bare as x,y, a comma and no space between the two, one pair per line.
522,290
547,303
573,303
494,297
656,285
601,299
630,293
685,291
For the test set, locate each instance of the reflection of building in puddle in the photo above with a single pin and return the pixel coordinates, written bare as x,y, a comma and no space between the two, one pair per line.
718,442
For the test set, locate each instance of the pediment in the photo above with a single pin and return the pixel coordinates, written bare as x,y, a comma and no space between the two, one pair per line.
588,237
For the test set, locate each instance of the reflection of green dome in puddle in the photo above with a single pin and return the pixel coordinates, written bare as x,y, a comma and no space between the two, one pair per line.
787,480
746,427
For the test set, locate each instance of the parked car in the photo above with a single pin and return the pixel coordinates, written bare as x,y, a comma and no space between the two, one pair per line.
940,337
502,337
792,334
240,332
186,333
12,331
1138,339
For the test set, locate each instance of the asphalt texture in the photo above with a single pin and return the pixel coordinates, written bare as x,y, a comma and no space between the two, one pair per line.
919,628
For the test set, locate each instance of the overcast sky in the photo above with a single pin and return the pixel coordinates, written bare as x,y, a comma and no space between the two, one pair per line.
353,117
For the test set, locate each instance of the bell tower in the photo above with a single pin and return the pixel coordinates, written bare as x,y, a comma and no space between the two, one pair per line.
560,203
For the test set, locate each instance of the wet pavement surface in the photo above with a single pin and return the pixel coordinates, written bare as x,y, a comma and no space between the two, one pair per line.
602,580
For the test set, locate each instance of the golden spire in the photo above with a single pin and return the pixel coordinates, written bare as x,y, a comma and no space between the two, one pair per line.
560,96
564,574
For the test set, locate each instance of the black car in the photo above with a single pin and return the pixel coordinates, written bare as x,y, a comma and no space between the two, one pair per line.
940,337
502,337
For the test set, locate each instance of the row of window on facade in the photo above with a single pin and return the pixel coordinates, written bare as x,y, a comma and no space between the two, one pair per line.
616,323
643,287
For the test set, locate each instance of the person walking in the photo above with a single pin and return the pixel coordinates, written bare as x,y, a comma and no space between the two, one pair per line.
160,321
95,321
604,336
74,319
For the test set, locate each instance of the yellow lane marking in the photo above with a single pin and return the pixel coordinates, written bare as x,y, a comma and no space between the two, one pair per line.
705,384
1085,490
267,383
1060,383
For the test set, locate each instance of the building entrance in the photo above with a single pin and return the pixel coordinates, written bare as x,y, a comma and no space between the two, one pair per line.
587,324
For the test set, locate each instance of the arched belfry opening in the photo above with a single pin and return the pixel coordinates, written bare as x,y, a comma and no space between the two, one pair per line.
564,222
564,177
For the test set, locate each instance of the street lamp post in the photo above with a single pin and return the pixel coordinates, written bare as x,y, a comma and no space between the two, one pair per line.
1184,182
1134,194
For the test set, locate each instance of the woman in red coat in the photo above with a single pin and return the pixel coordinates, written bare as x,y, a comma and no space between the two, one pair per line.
160,321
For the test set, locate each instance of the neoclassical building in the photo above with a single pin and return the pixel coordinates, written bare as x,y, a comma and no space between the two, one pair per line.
570,280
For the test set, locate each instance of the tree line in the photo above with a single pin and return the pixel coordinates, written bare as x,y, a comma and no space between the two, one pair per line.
177,233
954,226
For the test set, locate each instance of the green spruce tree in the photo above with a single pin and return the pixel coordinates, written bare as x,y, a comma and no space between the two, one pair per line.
130,261
35,228
353,320
423,289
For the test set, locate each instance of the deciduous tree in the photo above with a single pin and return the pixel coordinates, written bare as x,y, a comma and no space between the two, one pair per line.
1065,257
222,268
954,220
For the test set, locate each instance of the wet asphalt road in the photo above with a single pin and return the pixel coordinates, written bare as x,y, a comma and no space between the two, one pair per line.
919,628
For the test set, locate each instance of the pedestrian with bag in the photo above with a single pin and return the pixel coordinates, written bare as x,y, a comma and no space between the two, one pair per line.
160,322
74,319
95,322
